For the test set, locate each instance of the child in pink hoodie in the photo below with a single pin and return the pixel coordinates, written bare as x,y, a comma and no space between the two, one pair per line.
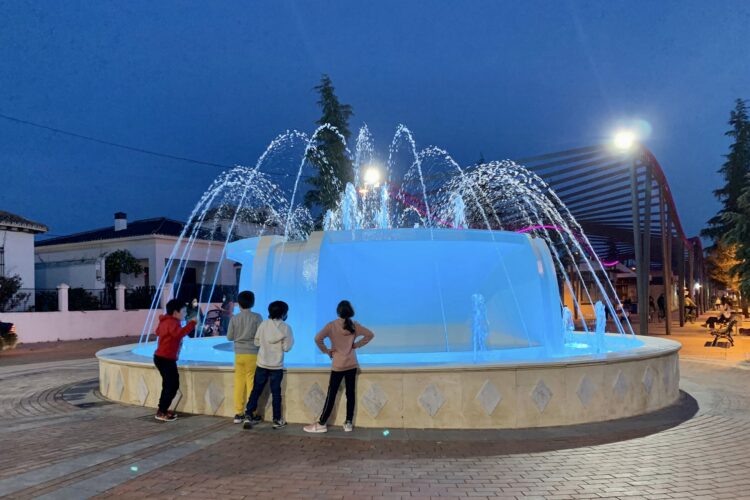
342,333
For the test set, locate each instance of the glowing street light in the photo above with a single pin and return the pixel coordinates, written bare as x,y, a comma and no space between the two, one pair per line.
697,286
624,139
372,176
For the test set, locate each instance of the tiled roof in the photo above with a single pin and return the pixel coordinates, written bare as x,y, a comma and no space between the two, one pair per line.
158,226
13,220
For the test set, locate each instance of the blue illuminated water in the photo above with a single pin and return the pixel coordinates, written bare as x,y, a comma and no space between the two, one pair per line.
446,264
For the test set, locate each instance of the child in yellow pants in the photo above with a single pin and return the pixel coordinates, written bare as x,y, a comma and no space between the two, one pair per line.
242,330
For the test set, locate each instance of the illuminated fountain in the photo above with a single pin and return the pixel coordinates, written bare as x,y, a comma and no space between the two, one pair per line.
459,272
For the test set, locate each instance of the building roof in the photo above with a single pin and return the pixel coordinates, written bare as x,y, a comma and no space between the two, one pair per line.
159,226
16,221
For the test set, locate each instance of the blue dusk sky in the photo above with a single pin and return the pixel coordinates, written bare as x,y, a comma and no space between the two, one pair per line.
217,81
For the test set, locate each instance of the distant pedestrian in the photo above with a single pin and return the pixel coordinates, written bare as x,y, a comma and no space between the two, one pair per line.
662,306
169,336
342,334
274,338
651,308
242,330
227,307
193,312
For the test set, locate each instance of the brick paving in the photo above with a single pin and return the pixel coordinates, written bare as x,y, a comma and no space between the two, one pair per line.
57,444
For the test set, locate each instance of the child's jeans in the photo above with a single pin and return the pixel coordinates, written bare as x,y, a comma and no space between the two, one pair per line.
170,381
262,375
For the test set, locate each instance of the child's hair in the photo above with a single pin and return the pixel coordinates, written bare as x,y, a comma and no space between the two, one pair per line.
246,299
173,306
346,312
277,309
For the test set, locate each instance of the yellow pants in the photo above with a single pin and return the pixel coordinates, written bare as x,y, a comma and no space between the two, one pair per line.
244,373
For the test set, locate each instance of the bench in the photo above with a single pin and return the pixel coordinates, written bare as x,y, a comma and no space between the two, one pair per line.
723,332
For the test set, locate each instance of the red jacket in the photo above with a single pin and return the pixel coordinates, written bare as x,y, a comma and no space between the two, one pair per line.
169,335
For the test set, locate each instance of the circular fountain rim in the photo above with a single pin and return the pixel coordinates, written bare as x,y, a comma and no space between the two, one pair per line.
651,347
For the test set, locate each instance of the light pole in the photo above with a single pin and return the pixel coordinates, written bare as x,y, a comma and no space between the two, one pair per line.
626,142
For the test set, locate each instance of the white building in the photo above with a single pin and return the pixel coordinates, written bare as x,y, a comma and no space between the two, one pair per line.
79,259
17,247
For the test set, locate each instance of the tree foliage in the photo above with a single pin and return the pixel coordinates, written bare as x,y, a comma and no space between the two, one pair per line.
739,236
9,296
720,260
329,157
120,262
734,171
728,260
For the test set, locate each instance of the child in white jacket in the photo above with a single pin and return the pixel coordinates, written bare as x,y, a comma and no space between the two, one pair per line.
274,338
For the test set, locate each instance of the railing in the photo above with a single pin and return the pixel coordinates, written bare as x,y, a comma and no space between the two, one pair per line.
83,299
204,293
30,300
139,297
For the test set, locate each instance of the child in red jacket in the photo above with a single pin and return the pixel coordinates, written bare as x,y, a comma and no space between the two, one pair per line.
169,334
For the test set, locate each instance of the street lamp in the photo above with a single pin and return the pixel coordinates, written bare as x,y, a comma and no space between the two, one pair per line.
372,177
624,139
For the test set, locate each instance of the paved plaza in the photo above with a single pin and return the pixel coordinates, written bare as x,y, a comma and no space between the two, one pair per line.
61,440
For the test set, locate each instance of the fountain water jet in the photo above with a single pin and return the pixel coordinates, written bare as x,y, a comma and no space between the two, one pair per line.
456,269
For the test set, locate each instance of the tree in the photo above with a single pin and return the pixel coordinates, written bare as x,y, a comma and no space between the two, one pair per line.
720,260
334,168
9,296
739,236
120,262
734,170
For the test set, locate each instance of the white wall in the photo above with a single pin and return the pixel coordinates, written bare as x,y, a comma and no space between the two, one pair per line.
75,325
19,255
152,251
81,273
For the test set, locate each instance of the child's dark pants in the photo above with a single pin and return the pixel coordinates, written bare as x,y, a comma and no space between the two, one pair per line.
262,375
170,381
350,378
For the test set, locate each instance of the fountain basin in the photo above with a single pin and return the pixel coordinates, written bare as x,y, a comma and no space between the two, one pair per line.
420,290
448,394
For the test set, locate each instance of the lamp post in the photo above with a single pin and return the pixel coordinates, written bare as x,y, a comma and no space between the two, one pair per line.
626,142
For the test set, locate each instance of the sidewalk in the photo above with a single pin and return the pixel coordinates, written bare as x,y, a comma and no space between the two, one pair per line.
693,337
59,351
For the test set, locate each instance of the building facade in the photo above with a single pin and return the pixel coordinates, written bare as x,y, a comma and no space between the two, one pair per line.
17,247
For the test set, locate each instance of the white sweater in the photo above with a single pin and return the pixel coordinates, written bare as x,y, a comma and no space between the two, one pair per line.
274,338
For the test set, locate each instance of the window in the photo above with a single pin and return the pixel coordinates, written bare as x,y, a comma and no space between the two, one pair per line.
2,261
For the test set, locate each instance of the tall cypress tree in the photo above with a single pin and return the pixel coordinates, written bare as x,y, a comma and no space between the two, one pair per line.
334,168
739,237
735,170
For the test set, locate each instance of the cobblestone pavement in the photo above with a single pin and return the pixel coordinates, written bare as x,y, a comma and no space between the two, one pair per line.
60,440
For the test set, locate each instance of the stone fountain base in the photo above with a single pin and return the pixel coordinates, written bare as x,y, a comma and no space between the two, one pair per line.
502,395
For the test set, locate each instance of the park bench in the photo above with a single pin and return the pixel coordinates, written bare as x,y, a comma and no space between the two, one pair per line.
722,332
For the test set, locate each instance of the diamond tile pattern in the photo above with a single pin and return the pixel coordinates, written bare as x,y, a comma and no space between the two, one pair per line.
648,379
431,400
374,400
213,397
489,397
315,399
142,390
620,386
119,385
541,395
176,400
586,390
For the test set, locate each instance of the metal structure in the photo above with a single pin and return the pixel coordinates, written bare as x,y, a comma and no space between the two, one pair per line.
624,204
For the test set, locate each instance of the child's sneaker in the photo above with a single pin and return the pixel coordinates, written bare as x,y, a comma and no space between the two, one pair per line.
238,419
165,417
315,428
173,414
256,419
247,423
278,424
348,427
